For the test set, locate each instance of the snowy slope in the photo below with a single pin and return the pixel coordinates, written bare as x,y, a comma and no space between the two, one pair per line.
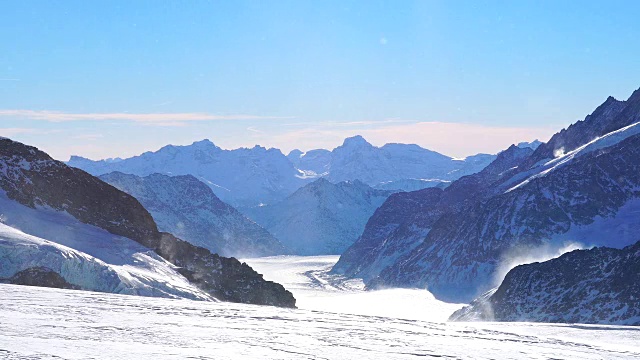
398,164
587,194
51,200
84,255
63,324
187,208
405,219
321,218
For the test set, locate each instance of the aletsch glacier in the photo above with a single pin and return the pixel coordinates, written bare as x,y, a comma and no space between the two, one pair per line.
453,236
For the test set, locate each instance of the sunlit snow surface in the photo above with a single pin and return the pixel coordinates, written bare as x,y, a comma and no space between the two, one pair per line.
39,323
314,289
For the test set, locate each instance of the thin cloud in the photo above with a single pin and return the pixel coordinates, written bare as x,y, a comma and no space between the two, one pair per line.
8,132
9,79
329,124
157,119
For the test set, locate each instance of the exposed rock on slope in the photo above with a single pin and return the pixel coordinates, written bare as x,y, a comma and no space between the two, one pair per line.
187,208
599,286
41,276
31,178
588,194
405,219
321,218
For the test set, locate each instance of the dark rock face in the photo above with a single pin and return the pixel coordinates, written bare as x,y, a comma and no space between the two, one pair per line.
225,278
461,253
32,178
395,229
598,286
405,219
41,276
188,208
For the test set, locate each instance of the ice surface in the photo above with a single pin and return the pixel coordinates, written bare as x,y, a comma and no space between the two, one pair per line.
39,323
83,254
314,288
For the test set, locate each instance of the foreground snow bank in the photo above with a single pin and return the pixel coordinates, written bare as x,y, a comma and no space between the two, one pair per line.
67,324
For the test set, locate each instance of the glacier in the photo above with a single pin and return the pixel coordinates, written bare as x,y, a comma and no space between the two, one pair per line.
66,324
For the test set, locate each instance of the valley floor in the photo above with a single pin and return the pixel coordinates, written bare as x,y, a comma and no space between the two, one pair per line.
308,278
40,323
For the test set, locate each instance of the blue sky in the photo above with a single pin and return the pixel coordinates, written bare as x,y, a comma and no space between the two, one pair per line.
116,78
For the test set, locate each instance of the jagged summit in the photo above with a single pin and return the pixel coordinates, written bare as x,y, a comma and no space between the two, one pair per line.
635,96
356,140
204,143
533,144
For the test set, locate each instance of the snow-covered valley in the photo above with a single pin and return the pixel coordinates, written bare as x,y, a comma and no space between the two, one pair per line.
42,323
308,278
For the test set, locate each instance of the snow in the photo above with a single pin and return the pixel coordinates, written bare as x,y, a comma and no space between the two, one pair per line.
616,231
84,255
65,324
314,289
562,158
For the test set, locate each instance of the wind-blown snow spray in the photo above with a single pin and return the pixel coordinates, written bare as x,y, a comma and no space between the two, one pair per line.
530,254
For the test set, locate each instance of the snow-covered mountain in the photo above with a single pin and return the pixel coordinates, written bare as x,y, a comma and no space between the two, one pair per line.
393,166
241,177
186,207
581,187
246,178
405,219
596,286
99,238
322,217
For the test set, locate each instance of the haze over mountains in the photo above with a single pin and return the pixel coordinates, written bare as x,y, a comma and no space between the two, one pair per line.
187,208
321,218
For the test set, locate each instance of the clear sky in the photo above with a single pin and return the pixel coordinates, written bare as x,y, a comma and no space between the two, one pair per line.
116,78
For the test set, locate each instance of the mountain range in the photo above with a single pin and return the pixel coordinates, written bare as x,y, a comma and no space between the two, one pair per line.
59,219
246,178
581,187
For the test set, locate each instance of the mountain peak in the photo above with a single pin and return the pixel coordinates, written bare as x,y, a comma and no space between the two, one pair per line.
635,96
204,143
533,144
356,140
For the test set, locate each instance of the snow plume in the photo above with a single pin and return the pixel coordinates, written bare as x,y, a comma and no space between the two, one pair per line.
530,254
558,152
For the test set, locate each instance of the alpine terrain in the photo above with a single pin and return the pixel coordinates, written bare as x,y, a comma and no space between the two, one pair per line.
321,218
60,223
579,188
186,207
